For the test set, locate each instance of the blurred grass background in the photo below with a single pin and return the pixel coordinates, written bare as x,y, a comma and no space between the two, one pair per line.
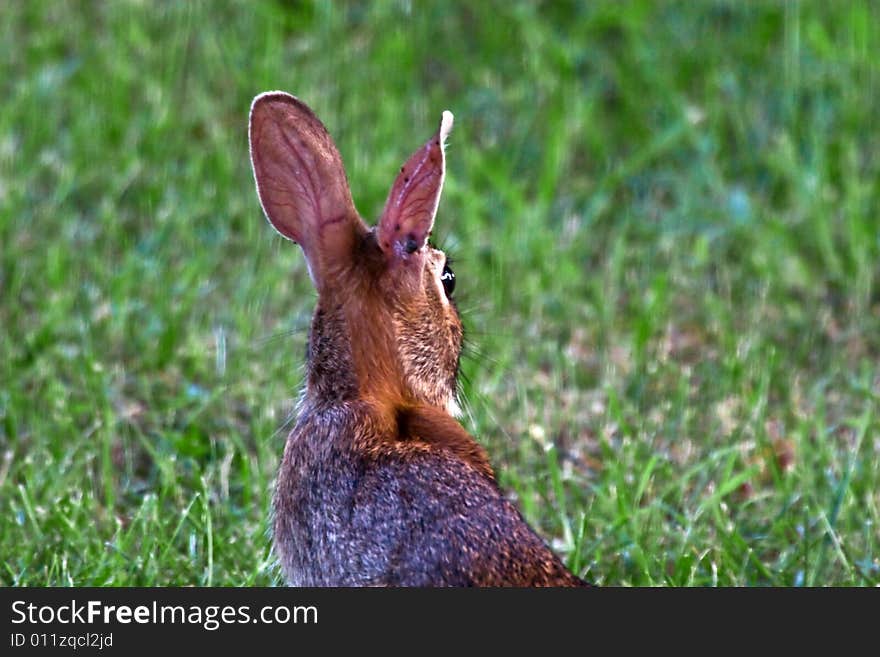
666,228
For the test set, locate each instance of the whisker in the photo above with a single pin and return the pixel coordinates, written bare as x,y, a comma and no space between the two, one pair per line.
280,335
288,422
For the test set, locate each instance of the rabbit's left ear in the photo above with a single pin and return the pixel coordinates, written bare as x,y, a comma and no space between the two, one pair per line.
301,183
409,212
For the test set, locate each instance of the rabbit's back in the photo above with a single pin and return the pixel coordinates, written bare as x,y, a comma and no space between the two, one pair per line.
345,516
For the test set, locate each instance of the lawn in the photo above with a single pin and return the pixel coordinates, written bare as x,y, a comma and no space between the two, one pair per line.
665,221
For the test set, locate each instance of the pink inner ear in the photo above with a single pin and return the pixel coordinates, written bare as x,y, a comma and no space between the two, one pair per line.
409,212
301,180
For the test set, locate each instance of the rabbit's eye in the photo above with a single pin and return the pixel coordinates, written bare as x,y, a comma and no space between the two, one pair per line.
448,279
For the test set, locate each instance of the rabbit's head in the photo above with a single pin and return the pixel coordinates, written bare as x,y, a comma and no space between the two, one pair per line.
385,329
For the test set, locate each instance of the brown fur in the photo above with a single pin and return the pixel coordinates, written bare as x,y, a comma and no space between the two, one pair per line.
379,484
437,429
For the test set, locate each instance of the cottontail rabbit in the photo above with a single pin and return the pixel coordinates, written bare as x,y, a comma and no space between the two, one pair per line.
379,485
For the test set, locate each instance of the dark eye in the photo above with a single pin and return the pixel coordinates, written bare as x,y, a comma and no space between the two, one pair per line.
448,279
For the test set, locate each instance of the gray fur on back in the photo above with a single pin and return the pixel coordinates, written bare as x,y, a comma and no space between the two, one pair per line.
348,519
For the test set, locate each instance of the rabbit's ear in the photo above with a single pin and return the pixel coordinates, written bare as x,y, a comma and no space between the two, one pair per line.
412,203
301,181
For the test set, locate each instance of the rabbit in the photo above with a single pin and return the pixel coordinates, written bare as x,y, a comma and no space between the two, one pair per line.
379,485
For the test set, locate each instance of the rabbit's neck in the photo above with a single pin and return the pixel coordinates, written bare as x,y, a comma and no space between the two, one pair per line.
350,360
331,377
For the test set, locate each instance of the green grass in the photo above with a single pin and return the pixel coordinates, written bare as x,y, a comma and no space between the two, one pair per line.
666,224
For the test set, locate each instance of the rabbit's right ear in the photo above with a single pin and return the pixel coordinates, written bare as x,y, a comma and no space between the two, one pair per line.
301,182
